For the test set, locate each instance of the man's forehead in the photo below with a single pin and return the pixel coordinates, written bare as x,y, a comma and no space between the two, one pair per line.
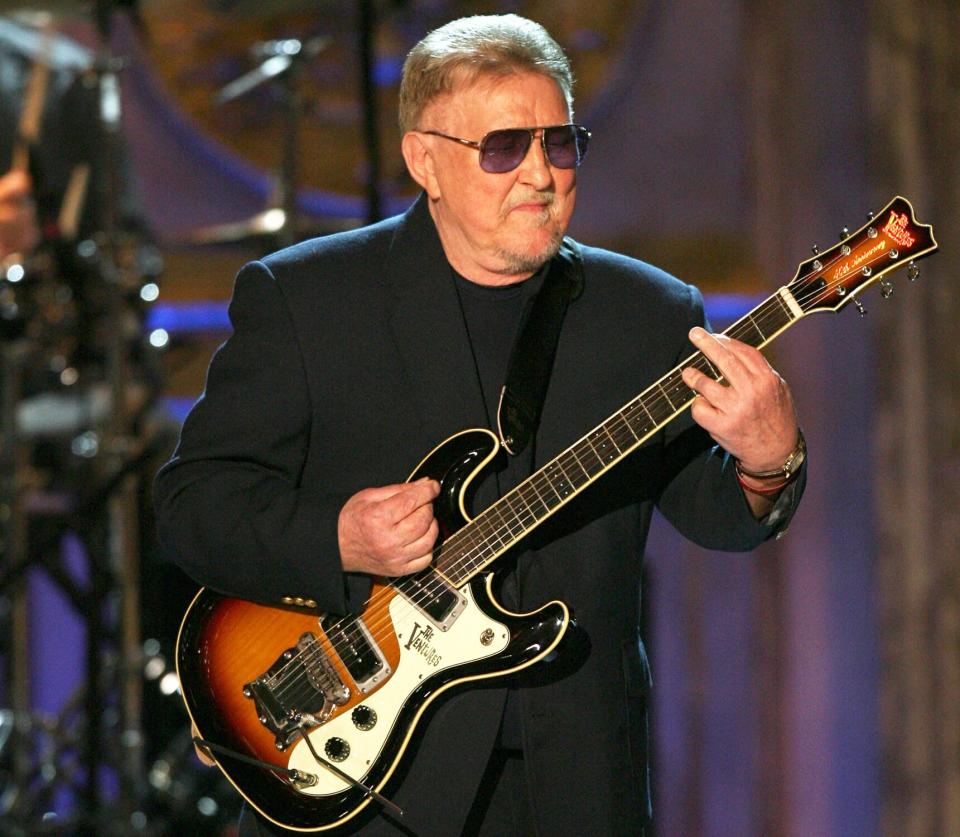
470,91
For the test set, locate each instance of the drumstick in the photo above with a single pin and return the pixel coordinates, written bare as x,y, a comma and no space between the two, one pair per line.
28,131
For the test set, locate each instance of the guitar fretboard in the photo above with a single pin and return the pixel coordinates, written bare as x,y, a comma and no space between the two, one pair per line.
521,510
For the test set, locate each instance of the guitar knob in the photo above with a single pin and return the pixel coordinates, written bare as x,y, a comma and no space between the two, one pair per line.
363,717
336,749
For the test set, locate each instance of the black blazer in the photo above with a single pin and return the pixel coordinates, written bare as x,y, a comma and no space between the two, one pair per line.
348,363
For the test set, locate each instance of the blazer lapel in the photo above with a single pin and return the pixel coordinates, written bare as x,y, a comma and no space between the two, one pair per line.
428,329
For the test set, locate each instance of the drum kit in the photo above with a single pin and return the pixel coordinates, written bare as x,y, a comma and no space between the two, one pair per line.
80,437
81,434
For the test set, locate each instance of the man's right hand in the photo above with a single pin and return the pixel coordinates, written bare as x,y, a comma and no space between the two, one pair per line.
389,530
18,219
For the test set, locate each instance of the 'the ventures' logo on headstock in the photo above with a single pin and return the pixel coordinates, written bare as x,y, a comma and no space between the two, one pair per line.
896,229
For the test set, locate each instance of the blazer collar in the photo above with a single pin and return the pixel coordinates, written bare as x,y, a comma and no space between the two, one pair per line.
428,328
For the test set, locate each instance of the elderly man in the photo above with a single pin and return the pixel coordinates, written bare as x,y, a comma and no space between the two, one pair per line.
353,355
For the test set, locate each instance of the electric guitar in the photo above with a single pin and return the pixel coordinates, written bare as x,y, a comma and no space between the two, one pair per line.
309,715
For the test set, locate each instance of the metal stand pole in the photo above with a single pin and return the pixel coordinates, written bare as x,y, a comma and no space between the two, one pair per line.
13,530
371,133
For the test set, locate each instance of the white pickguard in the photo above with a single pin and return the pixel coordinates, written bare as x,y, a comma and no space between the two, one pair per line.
427,655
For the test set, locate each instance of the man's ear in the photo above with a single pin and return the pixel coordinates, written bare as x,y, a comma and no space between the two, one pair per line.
420,163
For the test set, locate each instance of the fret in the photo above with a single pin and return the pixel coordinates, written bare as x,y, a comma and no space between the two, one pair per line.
603,445
500,523
660,385
571,460
754,339
558,479
658,405
649,423
525,516
546,506
677,388
479,549
530,516
788,314
551,499
710,370
618,424
639,420
585,452
528,492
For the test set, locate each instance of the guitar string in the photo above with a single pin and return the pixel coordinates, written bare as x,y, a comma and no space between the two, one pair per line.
477,542
755,320
750,321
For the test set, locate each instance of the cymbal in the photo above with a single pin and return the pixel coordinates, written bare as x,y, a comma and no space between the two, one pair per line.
270,222
24,34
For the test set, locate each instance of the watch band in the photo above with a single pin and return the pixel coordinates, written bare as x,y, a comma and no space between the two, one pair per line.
786,471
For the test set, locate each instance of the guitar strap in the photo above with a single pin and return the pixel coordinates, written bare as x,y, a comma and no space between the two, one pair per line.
531,359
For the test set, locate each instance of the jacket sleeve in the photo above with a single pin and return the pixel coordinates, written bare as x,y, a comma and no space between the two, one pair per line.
700,495
229,503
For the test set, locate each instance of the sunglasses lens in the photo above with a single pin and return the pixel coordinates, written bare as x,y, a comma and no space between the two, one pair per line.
566,145
503,151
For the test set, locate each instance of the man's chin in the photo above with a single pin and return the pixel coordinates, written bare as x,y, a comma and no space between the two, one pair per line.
531,259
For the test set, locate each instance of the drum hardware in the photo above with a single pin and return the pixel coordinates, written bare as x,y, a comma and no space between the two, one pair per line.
74,438
280,65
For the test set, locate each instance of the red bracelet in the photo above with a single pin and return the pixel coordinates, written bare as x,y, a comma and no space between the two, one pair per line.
763,492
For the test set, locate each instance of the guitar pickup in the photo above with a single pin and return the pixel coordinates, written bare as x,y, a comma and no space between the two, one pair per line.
357,649
432,595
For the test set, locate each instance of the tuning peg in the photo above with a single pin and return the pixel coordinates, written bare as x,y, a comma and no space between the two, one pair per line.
860,308
816,250
870,216
886,289
912,270
844,233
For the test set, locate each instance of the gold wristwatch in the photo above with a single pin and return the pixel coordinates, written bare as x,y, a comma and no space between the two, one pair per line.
789,468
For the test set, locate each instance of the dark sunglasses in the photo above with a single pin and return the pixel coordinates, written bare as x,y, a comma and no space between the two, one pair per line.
501,151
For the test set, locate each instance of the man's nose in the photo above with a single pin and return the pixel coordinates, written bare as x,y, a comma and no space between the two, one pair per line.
535,168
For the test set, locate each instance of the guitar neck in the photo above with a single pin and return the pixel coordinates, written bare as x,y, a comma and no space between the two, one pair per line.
891,239
520,511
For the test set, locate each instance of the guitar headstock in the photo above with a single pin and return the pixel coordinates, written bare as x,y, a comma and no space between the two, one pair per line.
888,241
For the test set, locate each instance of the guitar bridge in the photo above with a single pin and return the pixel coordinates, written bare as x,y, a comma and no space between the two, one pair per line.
302,686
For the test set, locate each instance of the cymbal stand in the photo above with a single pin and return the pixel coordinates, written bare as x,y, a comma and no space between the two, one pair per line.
283,60
121,574
13,547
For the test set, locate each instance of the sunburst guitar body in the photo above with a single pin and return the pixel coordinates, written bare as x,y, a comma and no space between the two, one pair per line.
254,677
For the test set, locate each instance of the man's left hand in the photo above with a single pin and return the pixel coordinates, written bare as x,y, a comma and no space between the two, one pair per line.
751,413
